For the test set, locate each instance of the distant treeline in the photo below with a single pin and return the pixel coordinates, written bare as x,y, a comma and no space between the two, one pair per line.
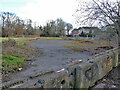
13,25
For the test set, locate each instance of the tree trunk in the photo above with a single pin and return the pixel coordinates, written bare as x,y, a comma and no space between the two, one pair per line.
68,32
119,43
118,27
118,37
119,48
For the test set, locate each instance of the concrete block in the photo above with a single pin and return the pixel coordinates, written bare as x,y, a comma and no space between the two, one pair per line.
115,60
58,80
86,75
72,74
89,72
105,64
119,56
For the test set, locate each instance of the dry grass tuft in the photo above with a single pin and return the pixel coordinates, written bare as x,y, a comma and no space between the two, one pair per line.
92,46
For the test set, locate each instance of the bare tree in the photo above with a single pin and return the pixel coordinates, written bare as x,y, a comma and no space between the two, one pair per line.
7,20
68,27
53,28
19,25
29,27
60,26
100,12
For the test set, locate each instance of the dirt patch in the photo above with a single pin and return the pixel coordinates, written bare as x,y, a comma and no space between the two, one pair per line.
97,50
91,46
12,47
104,47
86,41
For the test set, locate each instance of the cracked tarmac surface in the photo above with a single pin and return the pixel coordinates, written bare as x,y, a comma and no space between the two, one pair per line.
53,57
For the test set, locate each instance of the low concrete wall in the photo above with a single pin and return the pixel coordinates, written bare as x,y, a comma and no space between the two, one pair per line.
76,75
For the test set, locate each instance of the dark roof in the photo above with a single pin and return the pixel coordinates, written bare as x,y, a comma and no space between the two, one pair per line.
75,29
110,25
93,28
88,28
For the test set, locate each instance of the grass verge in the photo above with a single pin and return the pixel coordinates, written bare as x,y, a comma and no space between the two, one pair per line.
50,38
15,53
12,62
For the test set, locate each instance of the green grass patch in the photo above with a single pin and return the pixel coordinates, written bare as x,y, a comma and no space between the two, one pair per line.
12,62
17,55
41,52
50,38
74,48
7,38
22,42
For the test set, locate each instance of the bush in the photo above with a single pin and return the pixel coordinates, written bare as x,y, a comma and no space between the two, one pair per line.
9,42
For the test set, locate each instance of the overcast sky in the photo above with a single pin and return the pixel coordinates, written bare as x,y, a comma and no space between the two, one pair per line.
41,10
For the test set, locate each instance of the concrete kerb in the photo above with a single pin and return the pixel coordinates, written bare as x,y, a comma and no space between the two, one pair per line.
87,73
24,81
58,80
115,58
50,80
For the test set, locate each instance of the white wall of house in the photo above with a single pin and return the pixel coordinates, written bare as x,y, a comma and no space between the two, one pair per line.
84,30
